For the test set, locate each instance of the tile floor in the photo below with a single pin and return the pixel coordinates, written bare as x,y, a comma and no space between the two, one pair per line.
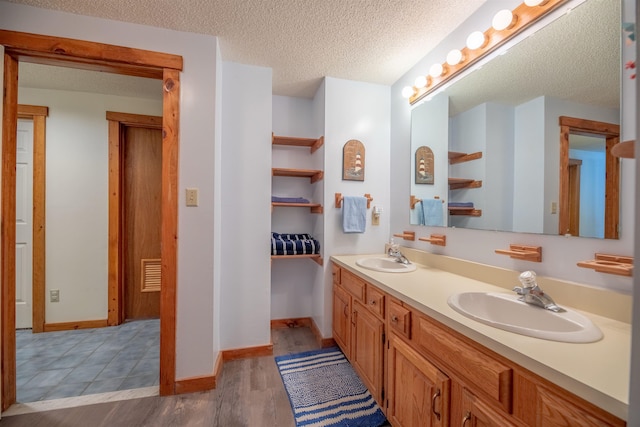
53,365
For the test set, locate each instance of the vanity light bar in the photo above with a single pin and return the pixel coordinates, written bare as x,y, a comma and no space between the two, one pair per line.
522,17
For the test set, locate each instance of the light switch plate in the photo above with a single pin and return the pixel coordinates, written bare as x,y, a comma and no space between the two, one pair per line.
192,197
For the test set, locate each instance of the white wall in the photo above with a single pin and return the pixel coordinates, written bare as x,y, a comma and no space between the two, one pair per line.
355,110
195,285
246,206
77,196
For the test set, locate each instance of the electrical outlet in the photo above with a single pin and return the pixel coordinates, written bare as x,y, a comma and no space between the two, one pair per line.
54,295
192,197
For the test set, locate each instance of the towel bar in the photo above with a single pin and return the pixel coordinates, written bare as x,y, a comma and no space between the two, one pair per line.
338,199
413,200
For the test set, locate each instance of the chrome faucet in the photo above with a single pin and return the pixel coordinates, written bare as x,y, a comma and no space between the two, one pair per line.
394,252
532,294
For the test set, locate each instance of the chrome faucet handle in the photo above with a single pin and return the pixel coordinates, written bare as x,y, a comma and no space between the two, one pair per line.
528,279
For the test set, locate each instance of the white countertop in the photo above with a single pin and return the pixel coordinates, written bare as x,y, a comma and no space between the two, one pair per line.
598,372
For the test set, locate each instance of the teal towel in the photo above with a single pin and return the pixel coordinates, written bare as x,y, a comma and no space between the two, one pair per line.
354,214
432,211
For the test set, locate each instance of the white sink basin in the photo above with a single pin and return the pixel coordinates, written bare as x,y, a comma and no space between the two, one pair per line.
505,311
388,265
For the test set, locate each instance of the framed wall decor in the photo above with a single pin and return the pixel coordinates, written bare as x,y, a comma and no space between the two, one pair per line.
353,160
424,165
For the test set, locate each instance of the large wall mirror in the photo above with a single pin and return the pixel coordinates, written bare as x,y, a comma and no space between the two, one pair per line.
497,153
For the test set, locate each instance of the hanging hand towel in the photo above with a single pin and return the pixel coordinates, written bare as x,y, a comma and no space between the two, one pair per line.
432,210
419,212
354,214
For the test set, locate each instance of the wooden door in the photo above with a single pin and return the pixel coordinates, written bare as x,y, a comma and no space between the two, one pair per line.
419,393
24,223
367,348
574,197
141,190
478,414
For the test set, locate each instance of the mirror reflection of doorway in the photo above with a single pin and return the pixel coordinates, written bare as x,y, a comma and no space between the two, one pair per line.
593,196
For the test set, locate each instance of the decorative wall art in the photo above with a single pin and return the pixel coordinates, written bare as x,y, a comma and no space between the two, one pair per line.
424,165
353,161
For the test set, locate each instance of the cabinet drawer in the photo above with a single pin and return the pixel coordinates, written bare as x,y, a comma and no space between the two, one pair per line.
488,376
353,284
374,298
399,318
335,271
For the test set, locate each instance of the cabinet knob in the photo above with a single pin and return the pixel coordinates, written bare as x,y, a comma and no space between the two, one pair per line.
394,318
372,302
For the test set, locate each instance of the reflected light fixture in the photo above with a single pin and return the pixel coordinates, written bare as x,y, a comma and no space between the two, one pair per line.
407,91
436,70
421,81
454,57
476,40
503,20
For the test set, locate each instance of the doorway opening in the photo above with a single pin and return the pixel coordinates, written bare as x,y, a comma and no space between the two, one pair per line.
93,56
569,197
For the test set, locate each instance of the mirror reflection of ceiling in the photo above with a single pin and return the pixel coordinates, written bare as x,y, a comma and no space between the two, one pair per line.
574,64
69,79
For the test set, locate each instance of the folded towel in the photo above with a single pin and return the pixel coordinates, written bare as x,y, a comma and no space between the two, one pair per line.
354,214
289,199
432,211
460,204
293,244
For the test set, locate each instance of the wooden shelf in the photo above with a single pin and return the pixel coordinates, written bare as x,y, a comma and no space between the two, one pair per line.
314,207
312,174
317,258
312,143
455,157
465,211
611,264
459,183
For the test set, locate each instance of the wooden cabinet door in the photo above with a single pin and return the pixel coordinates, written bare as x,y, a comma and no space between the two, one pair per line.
418,392
367,348
342,320
478,414
553,410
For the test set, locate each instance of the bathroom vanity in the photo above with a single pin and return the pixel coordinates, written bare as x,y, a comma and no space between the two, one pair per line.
426,364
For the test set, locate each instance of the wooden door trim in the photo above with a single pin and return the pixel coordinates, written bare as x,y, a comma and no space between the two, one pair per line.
611,131
118,122
38,114
36,48
100,57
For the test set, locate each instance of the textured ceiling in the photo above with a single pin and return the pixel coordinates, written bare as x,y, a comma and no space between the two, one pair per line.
374,41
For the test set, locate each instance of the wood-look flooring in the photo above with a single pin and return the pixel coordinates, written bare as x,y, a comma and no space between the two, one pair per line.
249,393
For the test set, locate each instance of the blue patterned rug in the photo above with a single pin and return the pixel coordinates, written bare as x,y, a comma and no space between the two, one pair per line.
324,390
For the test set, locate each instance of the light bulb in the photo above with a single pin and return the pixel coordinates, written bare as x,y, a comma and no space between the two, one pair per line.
454,57
502,20
421,81
407,91
436,70
476,40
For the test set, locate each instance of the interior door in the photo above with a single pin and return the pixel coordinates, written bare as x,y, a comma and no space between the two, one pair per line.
142,173
24,223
